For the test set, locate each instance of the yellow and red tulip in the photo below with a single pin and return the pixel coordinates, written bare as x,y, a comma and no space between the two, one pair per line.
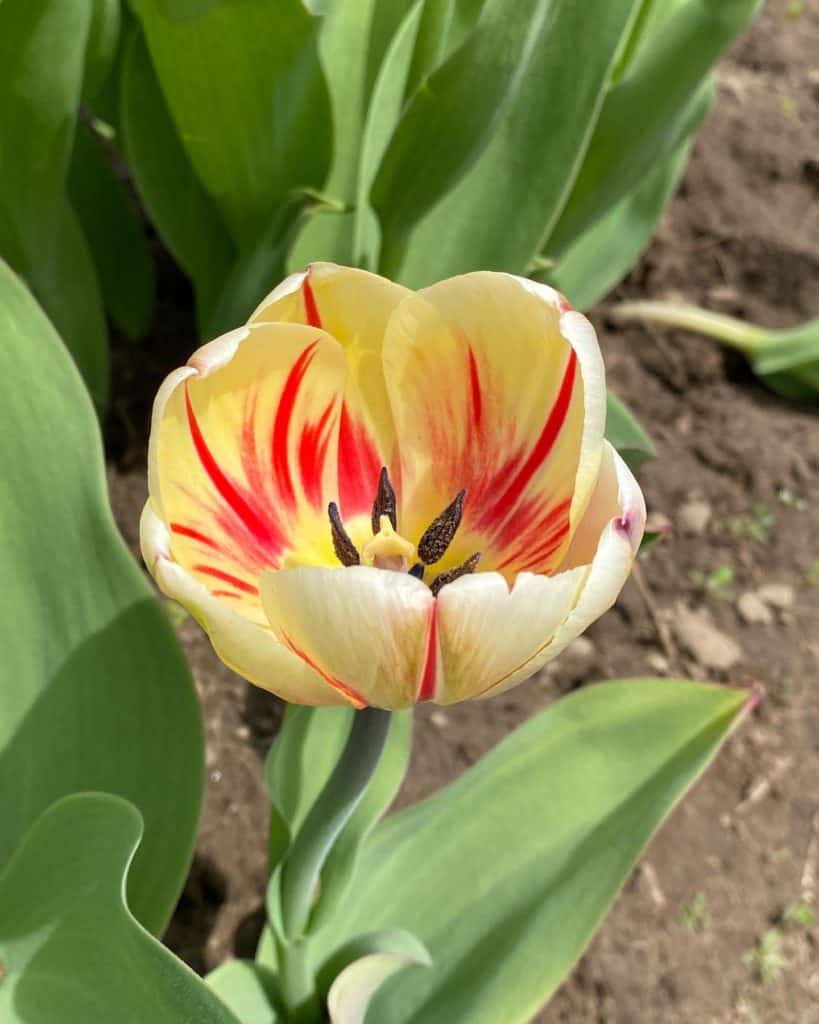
375,496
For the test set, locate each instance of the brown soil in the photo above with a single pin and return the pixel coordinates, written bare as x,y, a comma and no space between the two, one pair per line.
743,237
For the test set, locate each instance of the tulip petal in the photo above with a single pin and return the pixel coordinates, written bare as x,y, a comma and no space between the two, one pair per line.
242,459
354,307
365,630
492,638
498,388
249,649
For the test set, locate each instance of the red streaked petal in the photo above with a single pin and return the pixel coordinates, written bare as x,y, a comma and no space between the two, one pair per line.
354,306
488,395
362,628
243,454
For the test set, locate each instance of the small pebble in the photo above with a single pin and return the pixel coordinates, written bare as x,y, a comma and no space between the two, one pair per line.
694,517
439,719
711,648
657,662
776,595
753,610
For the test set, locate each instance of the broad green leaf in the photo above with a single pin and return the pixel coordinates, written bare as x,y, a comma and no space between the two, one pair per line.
115,234
249,990
451,118
382,116
69,947
42,56
352,39
624,431
258,271
497,216
597,261
245,90
103,40
94,691
505,874
650,110
445,25
180,209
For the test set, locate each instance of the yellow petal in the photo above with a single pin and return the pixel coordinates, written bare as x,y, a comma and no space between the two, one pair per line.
365,630
492,638
496,388
354,307
249,649
242,457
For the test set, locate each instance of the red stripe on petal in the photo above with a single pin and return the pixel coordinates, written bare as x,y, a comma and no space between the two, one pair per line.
225,593
475,390
280,453
429,677
312,456
188,531
310,306
346,691
358,465
225,577
500,508
238,504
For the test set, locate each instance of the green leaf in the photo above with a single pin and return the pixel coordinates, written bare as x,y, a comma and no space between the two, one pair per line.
249,990
505,874
367,964
382,116
182,212
624,431
650,110
788,362
245,90
103,40
353,37
497,215
597,261
69,948
115,234
94,691
451,118
42,55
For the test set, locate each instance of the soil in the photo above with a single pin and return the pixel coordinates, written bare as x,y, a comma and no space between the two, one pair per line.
684,942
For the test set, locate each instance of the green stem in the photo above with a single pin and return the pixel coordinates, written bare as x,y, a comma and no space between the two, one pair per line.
297,982
328,816
747,338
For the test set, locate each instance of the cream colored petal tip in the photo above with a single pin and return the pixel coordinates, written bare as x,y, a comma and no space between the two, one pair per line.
250,650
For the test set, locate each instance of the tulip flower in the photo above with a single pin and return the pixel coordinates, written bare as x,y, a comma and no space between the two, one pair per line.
374,496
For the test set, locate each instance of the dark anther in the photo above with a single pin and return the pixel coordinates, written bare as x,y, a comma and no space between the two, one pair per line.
454,574
384,504
345,550
417,571
438,535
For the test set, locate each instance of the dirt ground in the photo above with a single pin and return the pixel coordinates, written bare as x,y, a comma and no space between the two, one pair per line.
714,925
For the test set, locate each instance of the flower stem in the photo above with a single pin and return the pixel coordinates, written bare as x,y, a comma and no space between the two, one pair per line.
748,338
328,816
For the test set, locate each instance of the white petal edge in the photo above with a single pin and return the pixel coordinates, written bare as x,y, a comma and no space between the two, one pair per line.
248,649
509,635
290,284
204,361
366,628
609,569
487,631
580,334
